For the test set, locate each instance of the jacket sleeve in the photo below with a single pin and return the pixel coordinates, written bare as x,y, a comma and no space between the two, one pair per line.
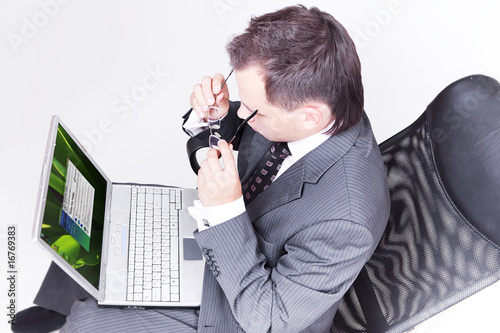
318,266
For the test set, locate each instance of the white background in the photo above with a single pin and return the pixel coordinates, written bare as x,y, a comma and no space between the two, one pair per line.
81,59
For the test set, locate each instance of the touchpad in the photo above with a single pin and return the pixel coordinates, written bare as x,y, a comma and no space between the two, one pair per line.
191,249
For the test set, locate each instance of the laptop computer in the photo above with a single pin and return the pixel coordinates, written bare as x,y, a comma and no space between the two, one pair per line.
128,245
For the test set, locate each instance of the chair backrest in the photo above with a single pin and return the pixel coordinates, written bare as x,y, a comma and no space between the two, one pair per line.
442,241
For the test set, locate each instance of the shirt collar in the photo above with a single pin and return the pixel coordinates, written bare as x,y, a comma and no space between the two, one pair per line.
301,147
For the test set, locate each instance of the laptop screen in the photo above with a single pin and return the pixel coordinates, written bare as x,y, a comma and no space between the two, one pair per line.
73,217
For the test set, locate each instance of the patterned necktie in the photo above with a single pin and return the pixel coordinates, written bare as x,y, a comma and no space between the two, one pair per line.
266,172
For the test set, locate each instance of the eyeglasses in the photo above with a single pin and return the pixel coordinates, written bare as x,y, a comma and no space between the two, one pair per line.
214,122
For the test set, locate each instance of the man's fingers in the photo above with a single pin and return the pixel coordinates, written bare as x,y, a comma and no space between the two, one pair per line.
206,87
195,105
227,157
217,83
213,162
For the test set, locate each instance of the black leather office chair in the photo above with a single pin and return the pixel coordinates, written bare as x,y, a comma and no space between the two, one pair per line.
442,242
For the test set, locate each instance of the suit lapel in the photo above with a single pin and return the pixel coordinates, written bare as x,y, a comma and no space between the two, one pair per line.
308,169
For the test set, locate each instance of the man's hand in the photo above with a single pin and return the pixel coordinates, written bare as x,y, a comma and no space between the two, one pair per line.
217,185
208,93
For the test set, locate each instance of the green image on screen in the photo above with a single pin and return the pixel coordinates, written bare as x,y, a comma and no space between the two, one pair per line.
73,219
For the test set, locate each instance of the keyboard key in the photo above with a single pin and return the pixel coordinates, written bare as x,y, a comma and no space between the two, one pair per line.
157,201
141,199
165,292
156,294
174,249
147,285
165,201
174,297
146,295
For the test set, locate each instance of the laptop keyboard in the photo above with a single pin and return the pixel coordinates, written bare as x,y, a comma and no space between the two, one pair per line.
153,268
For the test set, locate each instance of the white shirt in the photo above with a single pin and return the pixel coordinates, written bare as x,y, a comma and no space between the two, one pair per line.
207,217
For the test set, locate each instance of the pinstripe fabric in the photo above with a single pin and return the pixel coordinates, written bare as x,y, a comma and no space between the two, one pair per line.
86,316
286,262
58,291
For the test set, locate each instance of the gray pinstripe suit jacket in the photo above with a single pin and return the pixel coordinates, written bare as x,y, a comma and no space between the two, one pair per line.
286,262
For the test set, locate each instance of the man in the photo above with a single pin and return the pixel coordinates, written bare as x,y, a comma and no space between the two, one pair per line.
281,249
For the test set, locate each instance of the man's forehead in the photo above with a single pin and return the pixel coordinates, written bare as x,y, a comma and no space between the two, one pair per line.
250,86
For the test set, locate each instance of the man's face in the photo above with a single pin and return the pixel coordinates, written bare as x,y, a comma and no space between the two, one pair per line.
274,123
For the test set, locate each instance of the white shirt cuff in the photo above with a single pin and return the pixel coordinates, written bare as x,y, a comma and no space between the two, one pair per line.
210,216
194,124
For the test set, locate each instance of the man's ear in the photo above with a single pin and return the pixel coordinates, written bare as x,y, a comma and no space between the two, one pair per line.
315,115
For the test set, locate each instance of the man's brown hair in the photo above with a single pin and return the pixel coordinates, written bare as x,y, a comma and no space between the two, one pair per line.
306,56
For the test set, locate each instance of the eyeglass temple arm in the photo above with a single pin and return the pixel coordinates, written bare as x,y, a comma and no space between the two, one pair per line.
241,126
